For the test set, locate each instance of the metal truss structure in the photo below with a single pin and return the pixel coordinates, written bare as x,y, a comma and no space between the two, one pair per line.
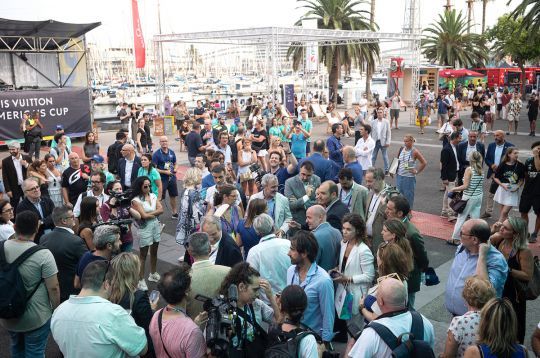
30,44
274,38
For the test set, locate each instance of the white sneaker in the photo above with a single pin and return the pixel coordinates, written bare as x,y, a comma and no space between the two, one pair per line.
142,285
154,277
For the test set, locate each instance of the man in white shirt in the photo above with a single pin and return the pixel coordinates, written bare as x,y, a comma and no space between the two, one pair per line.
224,147
270,256
391,298
364,147
97,180
363,105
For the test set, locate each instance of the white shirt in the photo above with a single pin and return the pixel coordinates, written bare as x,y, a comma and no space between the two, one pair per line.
455,155
129,169
6,230
364,149
18,168
373,205
213,252
363,104
371,345
226,152
101,198
379,128
210,196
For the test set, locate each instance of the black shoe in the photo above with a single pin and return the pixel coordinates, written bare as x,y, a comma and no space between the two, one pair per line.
175,216
507,133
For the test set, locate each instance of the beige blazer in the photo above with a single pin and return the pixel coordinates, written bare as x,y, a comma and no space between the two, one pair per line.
206,280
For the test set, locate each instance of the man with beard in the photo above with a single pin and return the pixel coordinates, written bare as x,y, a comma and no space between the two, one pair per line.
327,197
97,181
300,190
74,179
280,171
352,194
14,172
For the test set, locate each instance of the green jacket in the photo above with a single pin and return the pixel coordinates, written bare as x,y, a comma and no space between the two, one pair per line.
421,261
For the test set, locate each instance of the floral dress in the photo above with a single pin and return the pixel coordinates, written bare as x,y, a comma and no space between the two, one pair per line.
464,329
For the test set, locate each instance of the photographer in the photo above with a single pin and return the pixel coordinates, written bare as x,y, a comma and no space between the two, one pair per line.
251,341
298,136
115,209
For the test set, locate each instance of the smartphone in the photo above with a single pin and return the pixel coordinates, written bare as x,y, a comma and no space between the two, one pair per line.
154,295
335,274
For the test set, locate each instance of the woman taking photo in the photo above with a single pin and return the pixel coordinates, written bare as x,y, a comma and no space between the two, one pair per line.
510,238
87,219
6,225
246,158
38,171
249,342
124,292
230,215
147,169
148,231
292,304
114,210
90,147
61,152
473,191
54,181
246,236
497,333
509,176
356,270
463,329
190,209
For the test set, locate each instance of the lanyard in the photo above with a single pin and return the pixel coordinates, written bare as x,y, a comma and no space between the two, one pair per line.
349,195
372,208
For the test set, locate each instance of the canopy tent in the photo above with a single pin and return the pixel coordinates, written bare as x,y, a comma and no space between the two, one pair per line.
463,72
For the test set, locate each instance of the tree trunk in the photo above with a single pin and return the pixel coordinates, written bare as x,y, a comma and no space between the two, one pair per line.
484,5
333,76
369,70
523,77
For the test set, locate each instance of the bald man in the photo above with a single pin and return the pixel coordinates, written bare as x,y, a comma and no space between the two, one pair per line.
349,157
74,179
327,195
328,237
128,166
494,154
392,301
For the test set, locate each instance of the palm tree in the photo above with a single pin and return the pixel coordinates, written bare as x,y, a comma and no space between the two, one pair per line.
369,71
338,15
531,16
449,44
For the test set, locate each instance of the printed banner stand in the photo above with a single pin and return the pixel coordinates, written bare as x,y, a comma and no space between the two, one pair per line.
159,126
168,125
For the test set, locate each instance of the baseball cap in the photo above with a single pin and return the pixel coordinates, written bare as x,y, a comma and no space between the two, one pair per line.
59,127
97,158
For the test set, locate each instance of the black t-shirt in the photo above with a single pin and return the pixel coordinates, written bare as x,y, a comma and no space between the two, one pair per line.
121,114
197,112
259,145
532,178
144,142
193,143
510,173
75,184
85,260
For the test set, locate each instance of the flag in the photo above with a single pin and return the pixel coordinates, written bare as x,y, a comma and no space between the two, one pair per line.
140,54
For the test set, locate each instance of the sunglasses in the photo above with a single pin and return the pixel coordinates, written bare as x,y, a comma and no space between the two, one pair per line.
146,186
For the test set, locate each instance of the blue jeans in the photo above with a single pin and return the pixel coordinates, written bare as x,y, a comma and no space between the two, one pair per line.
406,186
30,344
378,147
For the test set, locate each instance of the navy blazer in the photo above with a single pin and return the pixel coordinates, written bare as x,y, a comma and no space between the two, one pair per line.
335,213
122,170
448,163
490,155
325,169
462,153
228,252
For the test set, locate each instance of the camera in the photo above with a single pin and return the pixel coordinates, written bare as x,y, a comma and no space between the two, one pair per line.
122,199
222,318
259,173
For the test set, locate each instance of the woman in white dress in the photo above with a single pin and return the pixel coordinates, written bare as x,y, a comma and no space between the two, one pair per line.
6,225
54,179
246,157
509,176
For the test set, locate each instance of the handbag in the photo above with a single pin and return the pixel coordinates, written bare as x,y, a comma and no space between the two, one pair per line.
458,204
343,302
530,290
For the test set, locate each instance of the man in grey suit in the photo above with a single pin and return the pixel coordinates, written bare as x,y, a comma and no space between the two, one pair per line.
375,216
206,277
328,237
66,247
352,194
300,190
277,204
381,134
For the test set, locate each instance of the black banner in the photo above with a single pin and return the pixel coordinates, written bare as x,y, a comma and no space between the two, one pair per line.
67,106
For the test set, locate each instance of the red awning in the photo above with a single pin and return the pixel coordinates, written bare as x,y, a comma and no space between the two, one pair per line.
463,72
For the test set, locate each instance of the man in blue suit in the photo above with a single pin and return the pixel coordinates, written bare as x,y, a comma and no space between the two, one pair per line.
325,169
464,149
349,156
493,158
128,166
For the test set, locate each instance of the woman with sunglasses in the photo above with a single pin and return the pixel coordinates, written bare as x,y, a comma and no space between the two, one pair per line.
54,180
148,232
510,238
6,225
147,169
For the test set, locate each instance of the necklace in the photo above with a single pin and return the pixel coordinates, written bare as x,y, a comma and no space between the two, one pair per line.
176,309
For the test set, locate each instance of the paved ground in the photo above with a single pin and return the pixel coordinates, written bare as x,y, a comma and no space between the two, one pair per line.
428,201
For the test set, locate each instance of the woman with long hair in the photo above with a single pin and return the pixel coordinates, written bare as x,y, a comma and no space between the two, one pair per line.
190,210
511,239
509,176
356,270
246,157
394,231
6,225
227,194
90,147
391,261
473,191
141,139
87,219
463,329
147,169
124,292
497,332
38,171
148,232
248,342
246,236
54,181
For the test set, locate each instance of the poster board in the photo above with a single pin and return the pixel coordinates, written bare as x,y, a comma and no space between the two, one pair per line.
159,127
168,125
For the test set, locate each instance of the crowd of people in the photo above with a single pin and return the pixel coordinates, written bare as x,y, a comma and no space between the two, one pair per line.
303,238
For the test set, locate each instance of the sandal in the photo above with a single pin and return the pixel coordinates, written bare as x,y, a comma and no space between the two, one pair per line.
453,242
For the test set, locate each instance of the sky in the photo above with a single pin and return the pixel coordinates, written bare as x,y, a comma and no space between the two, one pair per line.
205,15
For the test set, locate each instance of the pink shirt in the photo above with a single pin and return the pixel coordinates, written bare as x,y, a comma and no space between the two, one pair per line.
181,336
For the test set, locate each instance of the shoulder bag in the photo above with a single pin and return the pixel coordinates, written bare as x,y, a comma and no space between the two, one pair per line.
458,204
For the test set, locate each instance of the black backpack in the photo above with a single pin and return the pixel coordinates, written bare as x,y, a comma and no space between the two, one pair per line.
413,345
13,294
286,344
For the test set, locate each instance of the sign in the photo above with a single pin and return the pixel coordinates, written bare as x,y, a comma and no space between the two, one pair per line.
168,125
396,67
159,129
138,39
288,98
67,106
